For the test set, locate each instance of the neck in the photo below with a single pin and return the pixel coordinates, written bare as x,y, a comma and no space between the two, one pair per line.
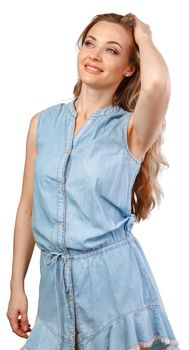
89,102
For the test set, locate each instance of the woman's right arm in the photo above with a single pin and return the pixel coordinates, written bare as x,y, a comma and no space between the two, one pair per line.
23,243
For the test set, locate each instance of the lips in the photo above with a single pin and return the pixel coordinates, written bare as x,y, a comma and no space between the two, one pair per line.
93,66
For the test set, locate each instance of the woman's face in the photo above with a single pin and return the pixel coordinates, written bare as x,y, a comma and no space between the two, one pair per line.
110,58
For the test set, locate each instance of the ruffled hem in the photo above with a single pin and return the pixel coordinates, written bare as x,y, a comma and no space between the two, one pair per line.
157,340
148,327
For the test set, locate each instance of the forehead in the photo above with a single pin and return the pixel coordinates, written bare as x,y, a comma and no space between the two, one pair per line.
106,31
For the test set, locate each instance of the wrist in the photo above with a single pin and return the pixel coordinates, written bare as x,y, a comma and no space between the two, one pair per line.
16,286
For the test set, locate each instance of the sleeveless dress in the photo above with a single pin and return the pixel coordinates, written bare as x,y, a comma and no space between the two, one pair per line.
95,281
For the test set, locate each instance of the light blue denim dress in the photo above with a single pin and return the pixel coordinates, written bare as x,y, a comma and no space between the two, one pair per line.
95,282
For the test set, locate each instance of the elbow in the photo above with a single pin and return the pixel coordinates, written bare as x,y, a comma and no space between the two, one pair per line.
159,84
25,208
158,88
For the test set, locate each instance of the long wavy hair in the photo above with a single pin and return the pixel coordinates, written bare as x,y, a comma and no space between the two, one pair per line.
146,191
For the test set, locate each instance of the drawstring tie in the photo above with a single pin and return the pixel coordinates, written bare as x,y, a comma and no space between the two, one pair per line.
50,258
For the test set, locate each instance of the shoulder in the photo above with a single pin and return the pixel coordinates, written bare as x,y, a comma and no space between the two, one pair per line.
47,114
33,126
34,121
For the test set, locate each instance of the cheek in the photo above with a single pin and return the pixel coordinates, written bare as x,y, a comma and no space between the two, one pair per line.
78,58
81,58
116,68
79,61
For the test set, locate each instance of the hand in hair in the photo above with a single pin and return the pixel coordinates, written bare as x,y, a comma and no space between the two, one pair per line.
140,29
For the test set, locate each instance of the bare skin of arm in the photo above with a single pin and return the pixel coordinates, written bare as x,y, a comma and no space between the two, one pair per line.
23,243
145,124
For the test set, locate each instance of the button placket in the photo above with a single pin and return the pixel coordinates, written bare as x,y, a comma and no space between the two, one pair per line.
62,195
61,186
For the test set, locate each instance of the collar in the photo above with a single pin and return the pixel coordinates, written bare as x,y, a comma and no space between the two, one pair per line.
99,112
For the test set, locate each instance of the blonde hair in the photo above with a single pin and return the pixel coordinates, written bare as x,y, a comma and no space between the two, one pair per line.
146,191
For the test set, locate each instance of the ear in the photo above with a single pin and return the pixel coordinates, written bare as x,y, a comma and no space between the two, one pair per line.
129,71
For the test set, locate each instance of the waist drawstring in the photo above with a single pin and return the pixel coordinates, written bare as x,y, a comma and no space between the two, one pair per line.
49,259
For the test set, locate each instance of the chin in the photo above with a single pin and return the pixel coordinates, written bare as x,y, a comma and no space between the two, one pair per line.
91,84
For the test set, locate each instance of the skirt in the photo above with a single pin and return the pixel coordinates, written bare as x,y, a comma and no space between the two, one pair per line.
107,297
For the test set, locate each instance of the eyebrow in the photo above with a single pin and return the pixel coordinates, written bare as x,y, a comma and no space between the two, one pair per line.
108,42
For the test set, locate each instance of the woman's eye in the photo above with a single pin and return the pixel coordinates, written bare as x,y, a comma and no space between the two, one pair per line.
111,50
87,42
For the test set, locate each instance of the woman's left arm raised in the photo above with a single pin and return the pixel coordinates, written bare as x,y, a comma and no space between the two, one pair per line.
155,90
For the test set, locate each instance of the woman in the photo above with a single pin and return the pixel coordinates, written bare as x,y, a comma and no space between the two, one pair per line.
96,164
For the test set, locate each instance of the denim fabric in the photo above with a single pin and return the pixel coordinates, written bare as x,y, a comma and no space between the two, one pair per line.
95,282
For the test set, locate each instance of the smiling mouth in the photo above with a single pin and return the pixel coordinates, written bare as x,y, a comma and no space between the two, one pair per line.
92,69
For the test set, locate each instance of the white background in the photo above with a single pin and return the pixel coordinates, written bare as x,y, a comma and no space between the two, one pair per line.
38,69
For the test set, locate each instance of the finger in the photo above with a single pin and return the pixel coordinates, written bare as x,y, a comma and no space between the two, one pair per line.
25,330
21,329
24,321
20,333
15,328
130,16
14,323
129,20
19,322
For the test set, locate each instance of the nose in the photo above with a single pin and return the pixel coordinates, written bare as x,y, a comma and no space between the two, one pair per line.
95,58
95,55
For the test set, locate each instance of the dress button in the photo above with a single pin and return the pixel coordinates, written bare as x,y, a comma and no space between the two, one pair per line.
61,186
61,224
